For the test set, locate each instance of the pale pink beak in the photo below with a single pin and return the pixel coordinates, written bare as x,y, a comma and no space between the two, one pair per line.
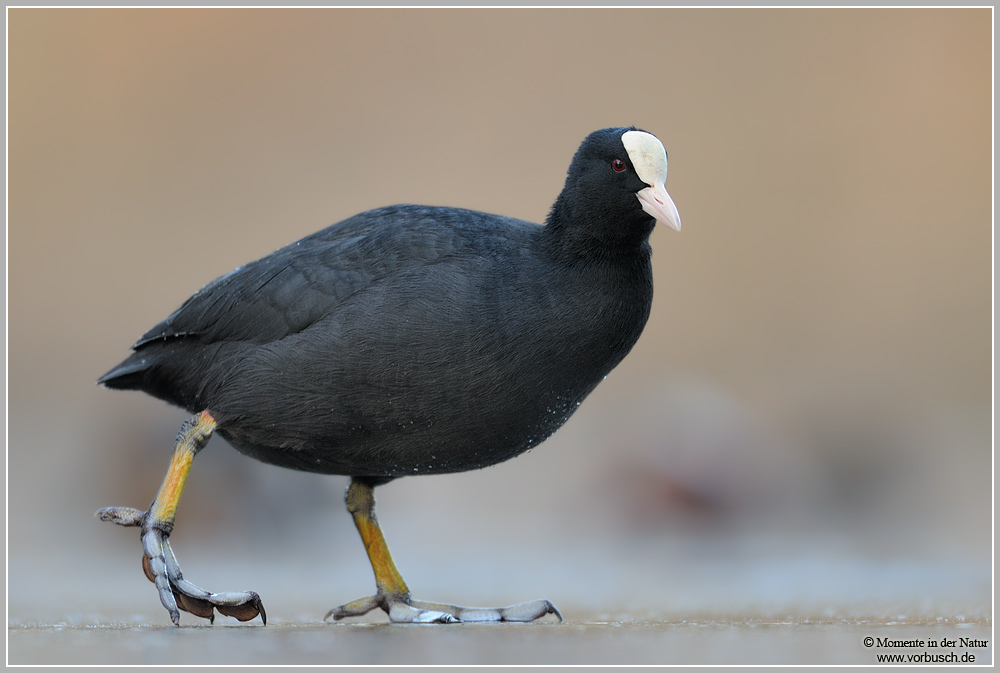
656,202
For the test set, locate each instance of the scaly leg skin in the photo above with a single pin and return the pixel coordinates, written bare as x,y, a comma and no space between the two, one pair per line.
156,524
392,594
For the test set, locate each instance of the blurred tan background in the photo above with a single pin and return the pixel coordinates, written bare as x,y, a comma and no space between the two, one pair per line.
803,429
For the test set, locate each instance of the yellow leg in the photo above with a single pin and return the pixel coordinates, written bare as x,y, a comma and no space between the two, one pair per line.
158,560
393,596
361,504
193,436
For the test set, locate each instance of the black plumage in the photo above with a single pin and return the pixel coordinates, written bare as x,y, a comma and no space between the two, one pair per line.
414,340
403,341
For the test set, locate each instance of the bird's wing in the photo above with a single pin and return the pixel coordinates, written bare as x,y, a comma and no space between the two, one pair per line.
289,290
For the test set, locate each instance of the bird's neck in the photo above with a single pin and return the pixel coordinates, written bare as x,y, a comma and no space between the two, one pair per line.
576,230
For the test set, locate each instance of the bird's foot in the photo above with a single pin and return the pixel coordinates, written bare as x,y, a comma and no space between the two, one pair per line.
162,569
403,610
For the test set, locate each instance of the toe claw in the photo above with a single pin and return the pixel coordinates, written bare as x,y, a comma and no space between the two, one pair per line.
245,611
530,611
553,610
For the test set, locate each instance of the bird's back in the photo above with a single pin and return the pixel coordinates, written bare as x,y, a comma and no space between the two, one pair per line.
403,340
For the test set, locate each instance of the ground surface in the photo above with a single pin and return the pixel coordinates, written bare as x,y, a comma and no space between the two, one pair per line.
665,604
586,641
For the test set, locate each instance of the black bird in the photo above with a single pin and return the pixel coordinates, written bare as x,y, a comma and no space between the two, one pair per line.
403,341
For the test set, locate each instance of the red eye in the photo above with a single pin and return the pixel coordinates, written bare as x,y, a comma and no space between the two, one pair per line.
618,165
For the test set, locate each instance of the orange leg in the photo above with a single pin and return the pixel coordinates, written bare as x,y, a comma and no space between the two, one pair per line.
156,523
393,596
361,504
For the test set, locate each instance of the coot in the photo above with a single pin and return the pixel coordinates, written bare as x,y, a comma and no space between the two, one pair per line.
404,341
